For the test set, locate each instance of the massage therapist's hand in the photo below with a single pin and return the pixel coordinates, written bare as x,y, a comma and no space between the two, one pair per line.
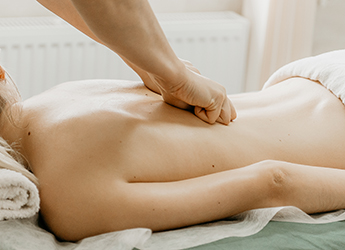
192,90
206,96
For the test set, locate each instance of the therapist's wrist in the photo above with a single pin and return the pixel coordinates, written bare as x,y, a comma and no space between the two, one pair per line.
173,74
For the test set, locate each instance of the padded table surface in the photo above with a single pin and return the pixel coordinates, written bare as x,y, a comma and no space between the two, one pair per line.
286,236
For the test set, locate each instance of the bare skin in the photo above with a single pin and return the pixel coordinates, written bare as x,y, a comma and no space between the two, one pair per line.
112,155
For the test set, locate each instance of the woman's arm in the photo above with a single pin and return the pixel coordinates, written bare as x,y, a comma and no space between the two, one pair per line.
130,28
162,206
109,205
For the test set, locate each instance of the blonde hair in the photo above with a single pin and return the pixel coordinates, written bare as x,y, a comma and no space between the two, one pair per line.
9,157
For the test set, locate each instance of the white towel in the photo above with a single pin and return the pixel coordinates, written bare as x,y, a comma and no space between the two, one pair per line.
327,68
18,196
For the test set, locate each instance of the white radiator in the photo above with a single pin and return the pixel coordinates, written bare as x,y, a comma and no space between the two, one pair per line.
41,52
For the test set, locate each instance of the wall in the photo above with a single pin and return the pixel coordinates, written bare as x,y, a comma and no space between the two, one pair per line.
281,32
18,8
195,5
329,32
11,8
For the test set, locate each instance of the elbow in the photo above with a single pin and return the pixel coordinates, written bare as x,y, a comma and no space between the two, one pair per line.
277,183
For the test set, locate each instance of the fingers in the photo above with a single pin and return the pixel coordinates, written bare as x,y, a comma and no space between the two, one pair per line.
225,115
201,113
206,96
225,112
228,113
233,112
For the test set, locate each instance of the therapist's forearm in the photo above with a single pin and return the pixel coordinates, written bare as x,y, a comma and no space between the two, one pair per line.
66,10
130,28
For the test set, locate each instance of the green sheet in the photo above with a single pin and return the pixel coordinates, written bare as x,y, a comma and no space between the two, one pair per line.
286,236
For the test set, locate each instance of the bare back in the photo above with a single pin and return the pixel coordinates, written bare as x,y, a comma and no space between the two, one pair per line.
88,135
125,128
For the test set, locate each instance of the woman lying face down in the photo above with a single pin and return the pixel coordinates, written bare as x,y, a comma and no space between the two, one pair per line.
111,155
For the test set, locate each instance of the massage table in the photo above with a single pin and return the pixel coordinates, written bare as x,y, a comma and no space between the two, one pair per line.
268,228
